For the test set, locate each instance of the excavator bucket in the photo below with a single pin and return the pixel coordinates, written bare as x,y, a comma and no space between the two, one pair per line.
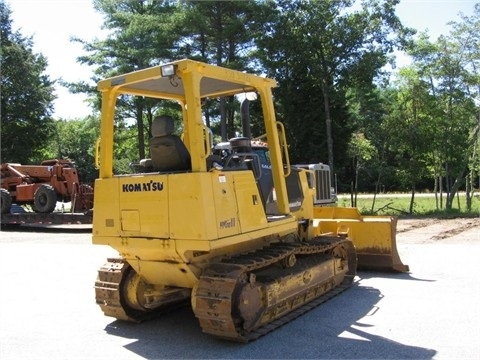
374,237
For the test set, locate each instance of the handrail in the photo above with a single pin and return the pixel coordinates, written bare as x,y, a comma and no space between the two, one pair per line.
97,154
207,136
283,144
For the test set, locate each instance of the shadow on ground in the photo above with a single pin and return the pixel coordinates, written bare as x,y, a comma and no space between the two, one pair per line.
330,331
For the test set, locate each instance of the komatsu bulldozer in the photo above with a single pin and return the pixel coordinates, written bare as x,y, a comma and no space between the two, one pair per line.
190,226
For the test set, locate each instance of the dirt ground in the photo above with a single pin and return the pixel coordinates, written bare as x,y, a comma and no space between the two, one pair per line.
439,230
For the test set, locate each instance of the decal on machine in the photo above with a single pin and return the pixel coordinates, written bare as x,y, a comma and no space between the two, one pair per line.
227,223
145,186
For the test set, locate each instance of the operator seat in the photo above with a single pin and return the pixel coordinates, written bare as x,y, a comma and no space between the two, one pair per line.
167,151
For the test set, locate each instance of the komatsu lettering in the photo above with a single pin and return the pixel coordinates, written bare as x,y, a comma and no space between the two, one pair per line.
147,186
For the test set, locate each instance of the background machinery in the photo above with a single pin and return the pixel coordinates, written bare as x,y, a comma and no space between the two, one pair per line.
41,186
194,227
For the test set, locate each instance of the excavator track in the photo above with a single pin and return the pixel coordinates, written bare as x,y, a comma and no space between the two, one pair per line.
241,298
109,294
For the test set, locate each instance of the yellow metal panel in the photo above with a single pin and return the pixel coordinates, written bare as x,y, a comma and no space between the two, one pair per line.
106,216
109,99
250,208
336,213
143,248
165,273
193,124
365,232
191,207
374,237
235,244
130,220
146,196
225,205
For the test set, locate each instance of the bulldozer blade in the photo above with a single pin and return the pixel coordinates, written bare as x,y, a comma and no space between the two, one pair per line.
374,237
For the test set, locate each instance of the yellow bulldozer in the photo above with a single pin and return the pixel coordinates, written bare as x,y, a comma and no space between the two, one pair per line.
192,226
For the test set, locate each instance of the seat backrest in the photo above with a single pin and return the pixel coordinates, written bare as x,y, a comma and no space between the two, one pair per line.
168,152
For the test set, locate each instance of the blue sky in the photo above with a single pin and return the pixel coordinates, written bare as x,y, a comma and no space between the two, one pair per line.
52,22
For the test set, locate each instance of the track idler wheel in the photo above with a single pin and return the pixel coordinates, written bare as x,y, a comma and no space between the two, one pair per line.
122,293
133,289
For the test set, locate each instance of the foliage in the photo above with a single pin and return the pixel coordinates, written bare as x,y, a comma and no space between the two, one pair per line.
317,51
409,123
335,95
360,150
450,67
221,33
141,34
399,205
68,144
27,97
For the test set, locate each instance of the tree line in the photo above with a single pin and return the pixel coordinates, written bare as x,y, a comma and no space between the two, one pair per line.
341,98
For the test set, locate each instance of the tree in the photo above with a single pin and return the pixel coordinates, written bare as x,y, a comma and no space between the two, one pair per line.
467,34
317,50
410,128
140,35
451,65
360,150
146,33
329,59
75,140
221,33
367,110
27,96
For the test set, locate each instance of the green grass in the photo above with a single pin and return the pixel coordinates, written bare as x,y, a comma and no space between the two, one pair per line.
423,206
